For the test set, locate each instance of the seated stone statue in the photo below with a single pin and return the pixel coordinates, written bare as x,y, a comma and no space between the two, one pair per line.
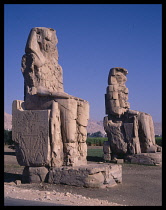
128,131
49,126
43,90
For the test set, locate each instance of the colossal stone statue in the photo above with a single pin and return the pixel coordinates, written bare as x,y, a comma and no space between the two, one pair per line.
49,126
128,131
66,115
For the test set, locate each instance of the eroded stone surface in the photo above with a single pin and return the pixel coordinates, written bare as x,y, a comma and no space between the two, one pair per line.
44,92
34,174
40,66
129,131
31,135
90,175
145,158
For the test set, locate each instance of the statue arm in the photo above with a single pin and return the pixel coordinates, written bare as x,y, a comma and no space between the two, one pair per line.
42,91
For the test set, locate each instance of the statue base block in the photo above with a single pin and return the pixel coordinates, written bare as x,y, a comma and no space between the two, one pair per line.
34,174
145,158
90,175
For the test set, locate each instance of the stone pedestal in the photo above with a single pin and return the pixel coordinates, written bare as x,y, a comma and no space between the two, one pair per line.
145,158
90,175
34,174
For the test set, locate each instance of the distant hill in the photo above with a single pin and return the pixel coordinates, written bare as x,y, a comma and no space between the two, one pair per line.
7,121
93,126
157,128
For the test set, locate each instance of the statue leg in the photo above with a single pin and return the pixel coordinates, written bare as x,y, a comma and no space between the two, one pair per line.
82,122
68,115
74,119
115,137
56,137
146,133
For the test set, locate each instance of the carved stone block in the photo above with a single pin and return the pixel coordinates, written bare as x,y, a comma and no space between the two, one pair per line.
31,133
34,174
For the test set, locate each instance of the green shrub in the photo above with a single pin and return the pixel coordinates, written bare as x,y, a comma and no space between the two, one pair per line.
8,137
95,141
98,141
158,141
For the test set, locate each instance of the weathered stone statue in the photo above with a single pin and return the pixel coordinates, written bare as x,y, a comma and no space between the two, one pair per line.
67,116
49,126
129,131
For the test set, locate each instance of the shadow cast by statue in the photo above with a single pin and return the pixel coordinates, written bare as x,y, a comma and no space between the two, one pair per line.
10,153
11,177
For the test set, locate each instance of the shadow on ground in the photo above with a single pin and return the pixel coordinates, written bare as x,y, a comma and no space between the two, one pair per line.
10,153
94,159
11,177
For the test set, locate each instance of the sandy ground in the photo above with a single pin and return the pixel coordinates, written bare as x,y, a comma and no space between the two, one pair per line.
13,191
141,186
16,190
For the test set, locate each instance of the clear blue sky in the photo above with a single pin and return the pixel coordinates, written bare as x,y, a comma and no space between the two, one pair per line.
92,39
